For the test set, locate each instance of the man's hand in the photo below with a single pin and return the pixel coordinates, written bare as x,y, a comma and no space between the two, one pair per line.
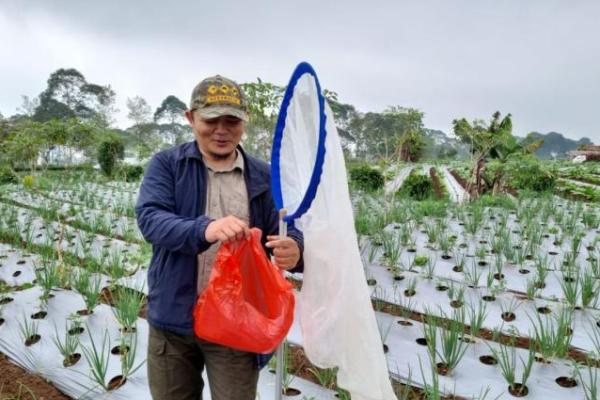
227,229
285,251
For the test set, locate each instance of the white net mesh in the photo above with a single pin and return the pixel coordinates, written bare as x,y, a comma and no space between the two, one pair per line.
299,142
338,323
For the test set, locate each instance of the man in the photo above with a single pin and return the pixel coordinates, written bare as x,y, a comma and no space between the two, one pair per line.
194,197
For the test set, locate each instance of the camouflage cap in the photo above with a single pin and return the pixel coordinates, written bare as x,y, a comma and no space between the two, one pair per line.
217,96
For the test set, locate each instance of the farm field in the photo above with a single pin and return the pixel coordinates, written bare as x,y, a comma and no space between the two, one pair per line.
493,298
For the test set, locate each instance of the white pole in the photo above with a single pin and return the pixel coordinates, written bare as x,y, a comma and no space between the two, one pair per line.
279,353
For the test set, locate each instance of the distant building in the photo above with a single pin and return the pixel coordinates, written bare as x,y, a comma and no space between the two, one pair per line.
586,152
59,155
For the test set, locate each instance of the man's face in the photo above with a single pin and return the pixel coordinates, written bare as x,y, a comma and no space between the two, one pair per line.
217,137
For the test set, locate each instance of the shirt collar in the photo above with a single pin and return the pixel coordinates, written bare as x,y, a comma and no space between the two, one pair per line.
237,164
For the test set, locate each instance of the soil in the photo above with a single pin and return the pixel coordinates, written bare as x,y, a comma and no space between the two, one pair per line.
33,339
461,181
566,382
17,382
39,315
486,334
488,360
508,316
71,360
442,369
119,350
116,382
76,331
518,390
456,304
437,186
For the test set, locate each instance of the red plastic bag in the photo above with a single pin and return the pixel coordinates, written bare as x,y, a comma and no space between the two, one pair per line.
248,305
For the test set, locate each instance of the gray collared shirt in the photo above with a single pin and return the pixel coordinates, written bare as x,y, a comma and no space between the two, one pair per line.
226,194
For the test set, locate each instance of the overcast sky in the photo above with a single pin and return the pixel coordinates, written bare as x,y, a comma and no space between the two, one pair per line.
537,59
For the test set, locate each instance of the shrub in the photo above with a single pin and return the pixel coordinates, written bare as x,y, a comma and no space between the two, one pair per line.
28,181
366,178
7,175
528,173
130,173
417,186
110,151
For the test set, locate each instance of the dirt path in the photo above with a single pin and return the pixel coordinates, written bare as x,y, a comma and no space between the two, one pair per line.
456,190
393,186
17,383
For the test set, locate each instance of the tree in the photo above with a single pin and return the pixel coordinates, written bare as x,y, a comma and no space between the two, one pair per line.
110,151
170,116
171,109
264,99
68,94
395,133
346,118
143,128
493,141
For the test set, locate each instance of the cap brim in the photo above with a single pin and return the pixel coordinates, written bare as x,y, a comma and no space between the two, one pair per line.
219,111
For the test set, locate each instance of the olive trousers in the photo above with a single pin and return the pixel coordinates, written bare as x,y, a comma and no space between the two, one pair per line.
175,364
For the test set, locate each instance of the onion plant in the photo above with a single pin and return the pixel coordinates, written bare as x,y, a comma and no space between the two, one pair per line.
590,381
325,376
507,360
114,265
594,260
433,231
531,289
89,287
477,315
456,294
429,270
392,251
47,277
128,367
473,274
29,330
127,306
432,390
445,244
97,358
552,335
68,346
571,289
589,290
508,308
411,287
594,335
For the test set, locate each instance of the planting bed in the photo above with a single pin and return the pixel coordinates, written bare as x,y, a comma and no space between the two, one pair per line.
465,294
